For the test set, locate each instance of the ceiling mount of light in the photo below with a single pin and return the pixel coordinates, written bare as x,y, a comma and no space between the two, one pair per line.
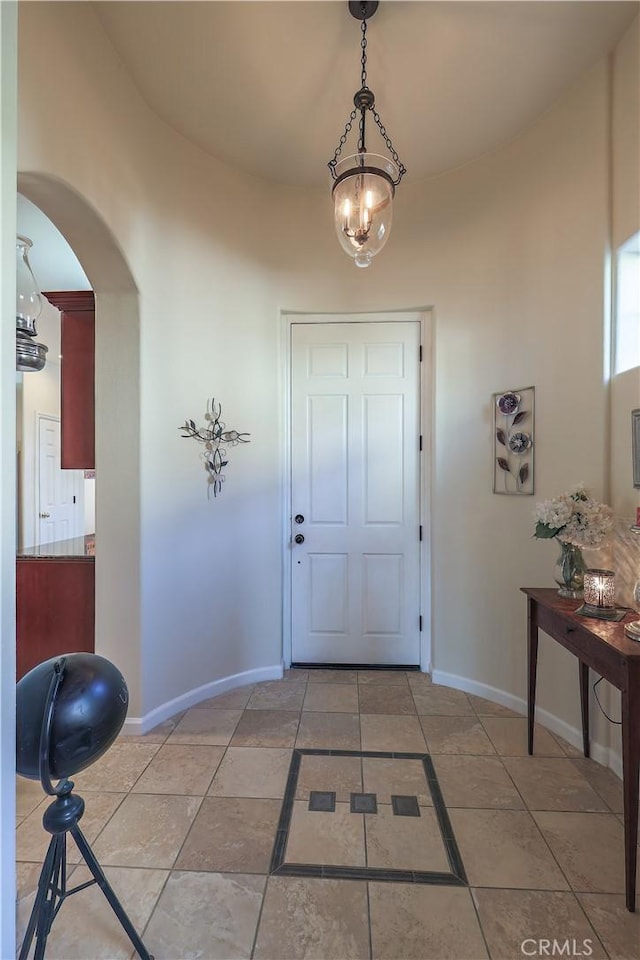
364,183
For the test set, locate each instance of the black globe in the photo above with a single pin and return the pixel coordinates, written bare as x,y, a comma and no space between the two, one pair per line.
88,713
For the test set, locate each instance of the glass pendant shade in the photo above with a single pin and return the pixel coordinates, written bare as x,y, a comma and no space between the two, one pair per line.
30,355
363,204
28,299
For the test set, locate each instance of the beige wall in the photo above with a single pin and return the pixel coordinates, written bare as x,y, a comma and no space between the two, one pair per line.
625,123
625,186
511,253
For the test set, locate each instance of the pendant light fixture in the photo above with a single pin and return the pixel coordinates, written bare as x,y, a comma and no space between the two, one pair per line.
30,355
364,183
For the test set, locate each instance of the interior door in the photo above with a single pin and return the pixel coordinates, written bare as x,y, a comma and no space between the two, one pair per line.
60,492
355,530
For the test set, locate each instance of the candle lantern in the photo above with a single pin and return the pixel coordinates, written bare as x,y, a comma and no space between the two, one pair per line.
600,593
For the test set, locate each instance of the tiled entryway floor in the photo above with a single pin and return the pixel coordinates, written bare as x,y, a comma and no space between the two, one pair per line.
184,821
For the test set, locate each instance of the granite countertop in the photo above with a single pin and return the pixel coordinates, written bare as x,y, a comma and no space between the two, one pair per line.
75,548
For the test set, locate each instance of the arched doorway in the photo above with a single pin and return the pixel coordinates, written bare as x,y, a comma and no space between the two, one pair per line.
117,421
117,632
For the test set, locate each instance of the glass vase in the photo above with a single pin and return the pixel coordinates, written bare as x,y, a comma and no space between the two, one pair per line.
569,571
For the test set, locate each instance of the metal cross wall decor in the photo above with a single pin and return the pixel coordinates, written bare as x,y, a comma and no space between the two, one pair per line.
214,435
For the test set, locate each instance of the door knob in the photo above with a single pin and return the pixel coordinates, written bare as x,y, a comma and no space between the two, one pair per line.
299,518
299,538
45,515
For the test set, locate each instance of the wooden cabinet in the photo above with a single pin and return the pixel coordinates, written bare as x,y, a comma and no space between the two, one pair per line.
55,608
77,378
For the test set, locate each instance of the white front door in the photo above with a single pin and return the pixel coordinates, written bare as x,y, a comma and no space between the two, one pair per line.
355,462
60,492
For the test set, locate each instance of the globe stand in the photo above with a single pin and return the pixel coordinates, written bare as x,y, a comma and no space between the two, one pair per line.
59,819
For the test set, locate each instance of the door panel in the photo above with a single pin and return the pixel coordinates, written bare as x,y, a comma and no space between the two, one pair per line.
328,593
60,492
328,360
384,359
355,420
383,462
382,593
328,464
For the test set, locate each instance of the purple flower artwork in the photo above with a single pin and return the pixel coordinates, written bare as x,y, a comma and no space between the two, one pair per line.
513,447
508,403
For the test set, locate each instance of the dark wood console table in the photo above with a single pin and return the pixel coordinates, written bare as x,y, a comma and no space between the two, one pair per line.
603,646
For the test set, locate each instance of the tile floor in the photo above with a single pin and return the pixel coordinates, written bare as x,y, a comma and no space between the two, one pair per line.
184,822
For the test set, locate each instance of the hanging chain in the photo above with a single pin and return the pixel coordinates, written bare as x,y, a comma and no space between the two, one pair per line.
390,147
349,124
343,139
363,44
376,116
363,84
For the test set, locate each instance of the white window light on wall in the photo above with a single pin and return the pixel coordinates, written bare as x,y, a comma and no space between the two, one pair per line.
627,319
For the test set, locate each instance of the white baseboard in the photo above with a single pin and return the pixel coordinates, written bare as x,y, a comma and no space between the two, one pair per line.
142,725
603,754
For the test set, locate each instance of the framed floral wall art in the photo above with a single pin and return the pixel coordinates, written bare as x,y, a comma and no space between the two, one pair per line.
513,441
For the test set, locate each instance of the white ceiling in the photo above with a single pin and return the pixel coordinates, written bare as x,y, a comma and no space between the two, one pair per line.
268,86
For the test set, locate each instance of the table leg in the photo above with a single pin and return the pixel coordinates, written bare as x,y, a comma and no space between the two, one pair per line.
532,650
584,705
630,775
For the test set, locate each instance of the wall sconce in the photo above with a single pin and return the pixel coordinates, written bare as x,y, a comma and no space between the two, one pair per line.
30,355
600,594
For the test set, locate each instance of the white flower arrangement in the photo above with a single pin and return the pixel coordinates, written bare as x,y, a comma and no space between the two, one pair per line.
574,518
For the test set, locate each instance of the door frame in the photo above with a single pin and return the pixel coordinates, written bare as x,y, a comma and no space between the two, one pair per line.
425,317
